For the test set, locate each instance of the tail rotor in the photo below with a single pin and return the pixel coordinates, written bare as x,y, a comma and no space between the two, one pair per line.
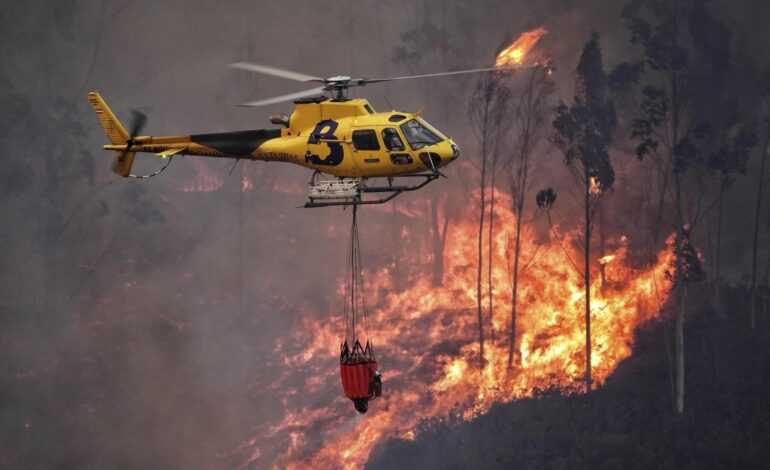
125,159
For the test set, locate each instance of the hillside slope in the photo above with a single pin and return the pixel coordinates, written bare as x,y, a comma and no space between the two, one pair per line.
628,422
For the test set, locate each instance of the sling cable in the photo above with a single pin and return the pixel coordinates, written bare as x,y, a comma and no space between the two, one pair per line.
361,381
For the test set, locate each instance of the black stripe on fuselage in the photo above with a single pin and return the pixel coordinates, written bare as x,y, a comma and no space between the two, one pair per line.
239,143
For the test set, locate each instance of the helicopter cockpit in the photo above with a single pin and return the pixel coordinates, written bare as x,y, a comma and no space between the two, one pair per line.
419,134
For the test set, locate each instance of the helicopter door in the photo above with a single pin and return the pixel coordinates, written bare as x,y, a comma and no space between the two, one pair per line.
366,148
396,148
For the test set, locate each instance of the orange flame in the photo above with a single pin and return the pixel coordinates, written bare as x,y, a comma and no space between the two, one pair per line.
606,259
593,187
246,184
518,50
205,182
427,344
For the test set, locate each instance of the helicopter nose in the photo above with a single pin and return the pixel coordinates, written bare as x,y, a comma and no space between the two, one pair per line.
441,155
455,150
451,152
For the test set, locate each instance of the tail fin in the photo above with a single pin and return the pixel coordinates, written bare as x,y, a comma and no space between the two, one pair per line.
115,132
123,162
112,127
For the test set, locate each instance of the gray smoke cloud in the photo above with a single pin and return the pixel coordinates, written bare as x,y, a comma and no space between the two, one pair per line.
138,319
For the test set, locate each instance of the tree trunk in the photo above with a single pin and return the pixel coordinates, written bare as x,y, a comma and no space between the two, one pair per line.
490,247
395,235
718,253
659,219
760,188
679,277
602,243
710,248
587,276
482,207
679,281
515,287
766,290
438,244
680,346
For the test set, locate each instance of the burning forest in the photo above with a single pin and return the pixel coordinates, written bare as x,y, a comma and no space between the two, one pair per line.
425,335
581,281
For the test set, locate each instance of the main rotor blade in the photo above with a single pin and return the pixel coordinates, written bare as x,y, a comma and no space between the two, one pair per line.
289,97
276,72
456,72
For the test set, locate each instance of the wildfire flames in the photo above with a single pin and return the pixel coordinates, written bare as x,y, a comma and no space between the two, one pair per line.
426,341
518,50
206,180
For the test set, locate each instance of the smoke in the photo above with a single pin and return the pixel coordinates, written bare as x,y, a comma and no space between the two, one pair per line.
141,323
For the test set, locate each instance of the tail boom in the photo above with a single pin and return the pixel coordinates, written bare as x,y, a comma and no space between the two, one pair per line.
239,144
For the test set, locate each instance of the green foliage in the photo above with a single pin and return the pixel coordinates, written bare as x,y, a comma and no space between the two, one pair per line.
625,76
583,130
692,269
688,50
730,158
660,42
653,110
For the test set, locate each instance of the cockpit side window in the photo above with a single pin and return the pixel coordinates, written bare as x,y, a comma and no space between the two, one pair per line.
392,140
365,140
418,135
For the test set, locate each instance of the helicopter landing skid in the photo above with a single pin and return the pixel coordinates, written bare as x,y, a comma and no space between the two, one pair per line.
351,191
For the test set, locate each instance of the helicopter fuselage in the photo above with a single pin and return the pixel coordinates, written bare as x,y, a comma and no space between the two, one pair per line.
340,138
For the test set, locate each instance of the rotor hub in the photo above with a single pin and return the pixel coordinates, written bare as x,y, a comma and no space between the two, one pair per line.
338,85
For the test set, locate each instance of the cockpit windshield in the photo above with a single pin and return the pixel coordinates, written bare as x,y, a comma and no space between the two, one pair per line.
418,135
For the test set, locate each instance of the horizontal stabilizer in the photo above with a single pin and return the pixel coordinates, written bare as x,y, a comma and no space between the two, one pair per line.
168,153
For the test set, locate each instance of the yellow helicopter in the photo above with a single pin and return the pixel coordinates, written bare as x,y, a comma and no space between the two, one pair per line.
336,136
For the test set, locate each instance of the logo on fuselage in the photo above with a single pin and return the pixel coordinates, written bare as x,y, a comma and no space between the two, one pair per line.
323,132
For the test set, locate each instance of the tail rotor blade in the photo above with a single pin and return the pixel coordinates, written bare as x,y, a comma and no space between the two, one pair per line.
138,121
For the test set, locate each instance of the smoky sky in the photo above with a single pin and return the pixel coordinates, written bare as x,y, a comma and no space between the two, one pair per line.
138,318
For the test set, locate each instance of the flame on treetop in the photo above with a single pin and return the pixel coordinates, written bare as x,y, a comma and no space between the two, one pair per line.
518,50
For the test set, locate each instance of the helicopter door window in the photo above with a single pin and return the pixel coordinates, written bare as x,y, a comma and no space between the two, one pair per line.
401,158
365,140
392,140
